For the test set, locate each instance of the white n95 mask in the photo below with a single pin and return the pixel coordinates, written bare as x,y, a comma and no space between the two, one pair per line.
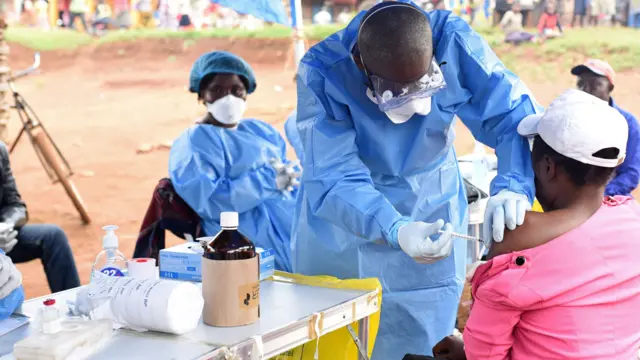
399,115
402,114
228,110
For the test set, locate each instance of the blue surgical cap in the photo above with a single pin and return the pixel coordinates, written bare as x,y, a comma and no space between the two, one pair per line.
219,62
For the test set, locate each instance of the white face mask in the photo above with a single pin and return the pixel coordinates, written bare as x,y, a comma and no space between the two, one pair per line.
227,110
421,106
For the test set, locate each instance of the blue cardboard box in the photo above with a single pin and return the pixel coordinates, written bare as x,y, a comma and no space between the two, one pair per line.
184,262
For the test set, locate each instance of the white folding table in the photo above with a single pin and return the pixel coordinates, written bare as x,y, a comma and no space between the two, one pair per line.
289,314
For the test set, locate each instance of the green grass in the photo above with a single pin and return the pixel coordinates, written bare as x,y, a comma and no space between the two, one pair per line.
66,39
44,41
619,46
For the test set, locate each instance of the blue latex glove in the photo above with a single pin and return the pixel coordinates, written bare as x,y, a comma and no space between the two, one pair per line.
506,208
415,239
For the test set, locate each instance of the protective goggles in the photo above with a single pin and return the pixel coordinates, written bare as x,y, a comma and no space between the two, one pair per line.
391,95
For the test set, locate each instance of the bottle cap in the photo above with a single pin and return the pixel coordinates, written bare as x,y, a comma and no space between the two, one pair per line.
229,219
110,240
49,302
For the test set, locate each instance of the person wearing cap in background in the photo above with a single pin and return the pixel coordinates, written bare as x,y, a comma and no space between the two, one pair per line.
375,116
597,78
565,284
229,163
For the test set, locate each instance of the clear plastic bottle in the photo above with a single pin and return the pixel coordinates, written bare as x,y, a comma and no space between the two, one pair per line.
50,317
110,261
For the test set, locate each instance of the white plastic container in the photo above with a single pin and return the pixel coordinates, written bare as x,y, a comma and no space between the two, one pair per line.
110,261
76,339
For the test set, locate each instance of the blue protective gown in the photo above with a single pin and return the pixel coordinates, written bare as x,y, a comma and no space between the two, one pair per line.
10,303
291,131
628,173
216,169
362,174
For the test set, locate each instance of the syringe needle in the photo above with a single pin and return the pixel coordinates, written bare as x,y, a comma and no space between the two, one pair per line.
463,236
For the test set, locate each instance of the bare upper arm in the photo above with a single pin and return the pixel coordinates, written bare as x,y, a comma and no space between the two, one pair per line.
526,236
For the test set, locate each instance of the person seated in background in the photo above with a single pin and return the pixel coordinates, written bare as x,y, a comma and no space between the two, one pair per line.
511,24
549,21
11,291
597,78
102,16
24,242
228,163
562,285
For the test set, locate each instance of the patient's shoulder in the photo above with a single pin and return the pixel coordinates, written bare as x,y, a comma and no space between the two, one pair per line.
537,229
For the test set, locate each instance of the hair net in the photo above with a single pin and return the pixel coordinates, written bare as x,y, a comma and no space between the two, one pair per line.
218,62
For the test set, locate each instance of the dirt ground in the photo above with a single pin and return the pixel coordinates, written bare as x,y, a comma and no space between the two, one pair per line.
100,104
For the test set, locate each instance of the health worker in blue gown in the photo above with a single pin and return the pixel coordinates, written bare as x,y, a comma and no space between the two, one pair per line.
381,191
229,163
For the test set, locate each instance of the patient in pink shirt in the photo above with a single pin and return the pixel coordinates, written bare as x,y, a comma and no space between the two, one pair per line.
566,284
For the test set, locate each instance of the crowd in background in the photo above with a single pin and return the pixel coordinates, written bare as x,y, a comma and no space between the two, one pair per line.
516,18
584,12
167,14
548,15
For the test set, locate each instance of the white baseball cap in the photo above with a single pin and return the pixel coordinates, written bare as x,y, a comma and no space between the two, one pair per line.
578,125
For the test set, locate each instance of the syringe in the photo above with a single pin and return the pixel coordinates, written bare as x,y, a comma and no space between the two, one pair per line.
463,236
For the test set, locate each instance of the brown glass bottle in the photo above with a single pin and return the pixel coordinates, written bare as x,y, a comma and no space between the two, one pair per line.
229,243
230,277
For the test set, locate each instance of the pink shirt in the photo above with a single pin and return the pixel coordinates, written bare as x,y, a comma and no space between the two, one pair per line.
576,297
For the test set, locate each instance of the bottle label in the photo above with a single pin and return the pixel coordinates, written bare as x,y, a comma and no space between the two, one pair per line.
231,291
249,295
111,271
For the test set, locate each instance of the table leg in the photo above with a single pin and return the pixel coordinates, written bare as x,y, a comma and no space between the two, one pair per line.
363,336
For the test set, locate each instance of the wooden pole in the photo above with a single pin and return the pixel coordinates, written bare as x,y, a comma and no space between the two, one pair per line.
53,13
5,72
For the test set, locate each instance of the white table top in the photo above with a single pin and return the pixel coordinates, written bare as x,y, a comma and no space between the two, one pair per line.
286,308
